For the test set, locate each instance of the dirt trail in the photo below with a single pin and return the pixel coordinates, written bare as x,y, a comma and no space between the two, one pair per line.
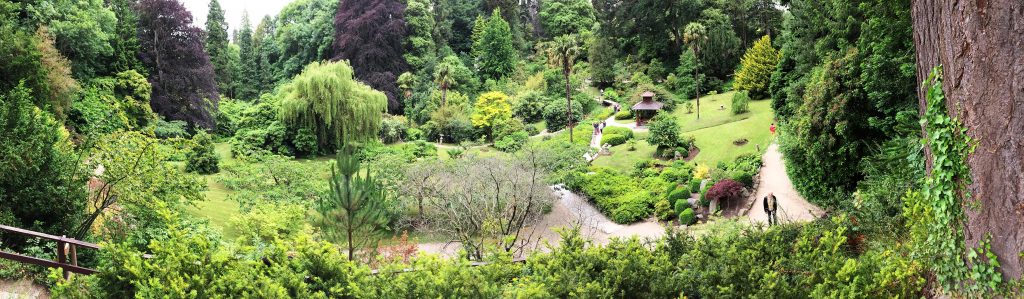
773,178
569,209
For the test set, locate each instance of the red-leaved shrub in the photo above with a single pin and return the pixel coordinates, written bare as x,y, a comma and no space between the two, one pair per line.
725,191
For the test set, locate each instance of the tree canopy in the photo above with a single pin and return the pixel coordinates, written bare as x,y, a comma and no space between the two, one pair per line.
370,35
326,99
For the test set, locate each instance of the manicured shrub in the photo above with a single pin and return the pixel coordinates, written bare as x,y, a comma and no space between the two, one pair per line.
687,217
631,207
620,131
624,114
740,102
663,209
202,159
725,191
613,139
677,195
695,185
681,205
743,177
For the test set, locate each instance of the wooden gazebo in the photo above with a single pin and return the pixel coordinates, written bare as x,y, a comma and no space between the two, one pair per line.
646,108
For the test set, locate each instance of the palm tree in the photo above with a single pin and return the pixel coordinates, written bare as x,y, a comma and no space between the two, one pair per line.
444,78
562,52
695,35
405,82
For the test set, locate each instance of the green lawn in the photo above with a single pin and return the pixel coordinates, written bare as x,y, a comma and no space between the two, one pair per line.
716,142
623,159
714,133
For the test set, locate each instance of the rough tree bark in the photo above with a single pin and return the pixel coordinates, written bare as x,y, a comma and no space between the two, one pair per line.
980,44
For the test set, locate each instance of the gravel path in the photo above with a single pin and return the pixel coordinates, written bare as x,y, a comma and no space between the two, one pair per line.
570,209
773,178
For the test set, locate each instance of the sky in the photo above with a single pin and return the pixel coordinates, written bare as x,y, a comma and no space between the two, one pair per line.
233,11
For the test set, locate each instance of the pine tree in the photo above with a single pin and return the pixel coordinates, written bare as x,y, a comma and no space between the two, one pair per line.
248,64
126,44
421,55
354,210
756,68
217,47
497,55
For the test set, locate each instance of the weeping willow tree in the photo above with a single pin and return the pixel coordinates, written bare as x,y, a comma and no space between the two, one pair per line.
326,99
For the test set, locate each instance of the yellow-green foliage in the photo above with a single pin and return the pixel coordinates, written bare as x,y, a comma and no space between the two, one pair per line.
491,108
325,99
756,68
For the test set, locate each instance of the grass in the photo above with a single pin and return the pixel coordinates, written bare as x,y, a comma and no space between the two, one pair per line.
716,142
623,159
714,133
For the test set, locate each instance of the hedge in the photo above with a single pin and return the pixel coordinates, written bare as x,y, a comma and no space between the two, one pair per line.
620,131
687,217
613,139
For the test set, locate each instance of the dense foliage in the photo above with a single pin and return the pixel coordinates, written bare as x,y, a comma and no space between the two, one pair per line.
326,100
370,36
182,77
756,68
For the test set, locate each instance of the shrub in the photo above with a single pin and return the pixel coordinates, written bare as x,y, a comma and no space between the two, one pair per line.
530,106
620,131
681,205
740,101
512,143
631,207
695,185
743,177
725,191
202,159
624,114
701,172
663,210
687,217
555,114
170,129
631,145
455,153
532,130
664,131
305,142
613,139
604,114
678,195
392,129
414,134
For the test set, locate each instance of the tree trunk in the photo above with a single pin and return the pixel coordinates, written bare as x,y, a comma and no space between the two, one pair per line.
696,79
980,45
568,99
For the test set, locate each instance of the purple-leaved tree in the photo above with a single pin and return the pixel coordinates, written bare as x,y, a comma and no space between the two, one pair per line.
181,73
370,35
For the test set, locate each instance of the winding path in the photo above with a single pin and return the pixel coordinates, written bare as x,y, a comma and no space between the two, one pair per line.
773,178
569,209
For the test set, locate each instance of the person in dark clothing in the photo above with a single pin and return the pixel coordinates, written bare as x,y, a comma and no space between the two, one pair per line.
771,207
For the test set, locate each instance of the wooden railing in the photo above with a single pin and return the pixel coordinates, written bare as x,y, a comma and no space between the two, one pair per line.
66,251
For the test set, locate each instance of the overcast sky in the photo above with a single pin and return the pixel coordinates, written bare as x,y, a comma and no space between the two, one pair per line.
233,11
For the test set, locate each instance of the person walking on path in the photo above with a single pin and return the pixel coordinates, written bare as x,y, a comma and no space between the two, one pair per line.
596,130
771,207
772,129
